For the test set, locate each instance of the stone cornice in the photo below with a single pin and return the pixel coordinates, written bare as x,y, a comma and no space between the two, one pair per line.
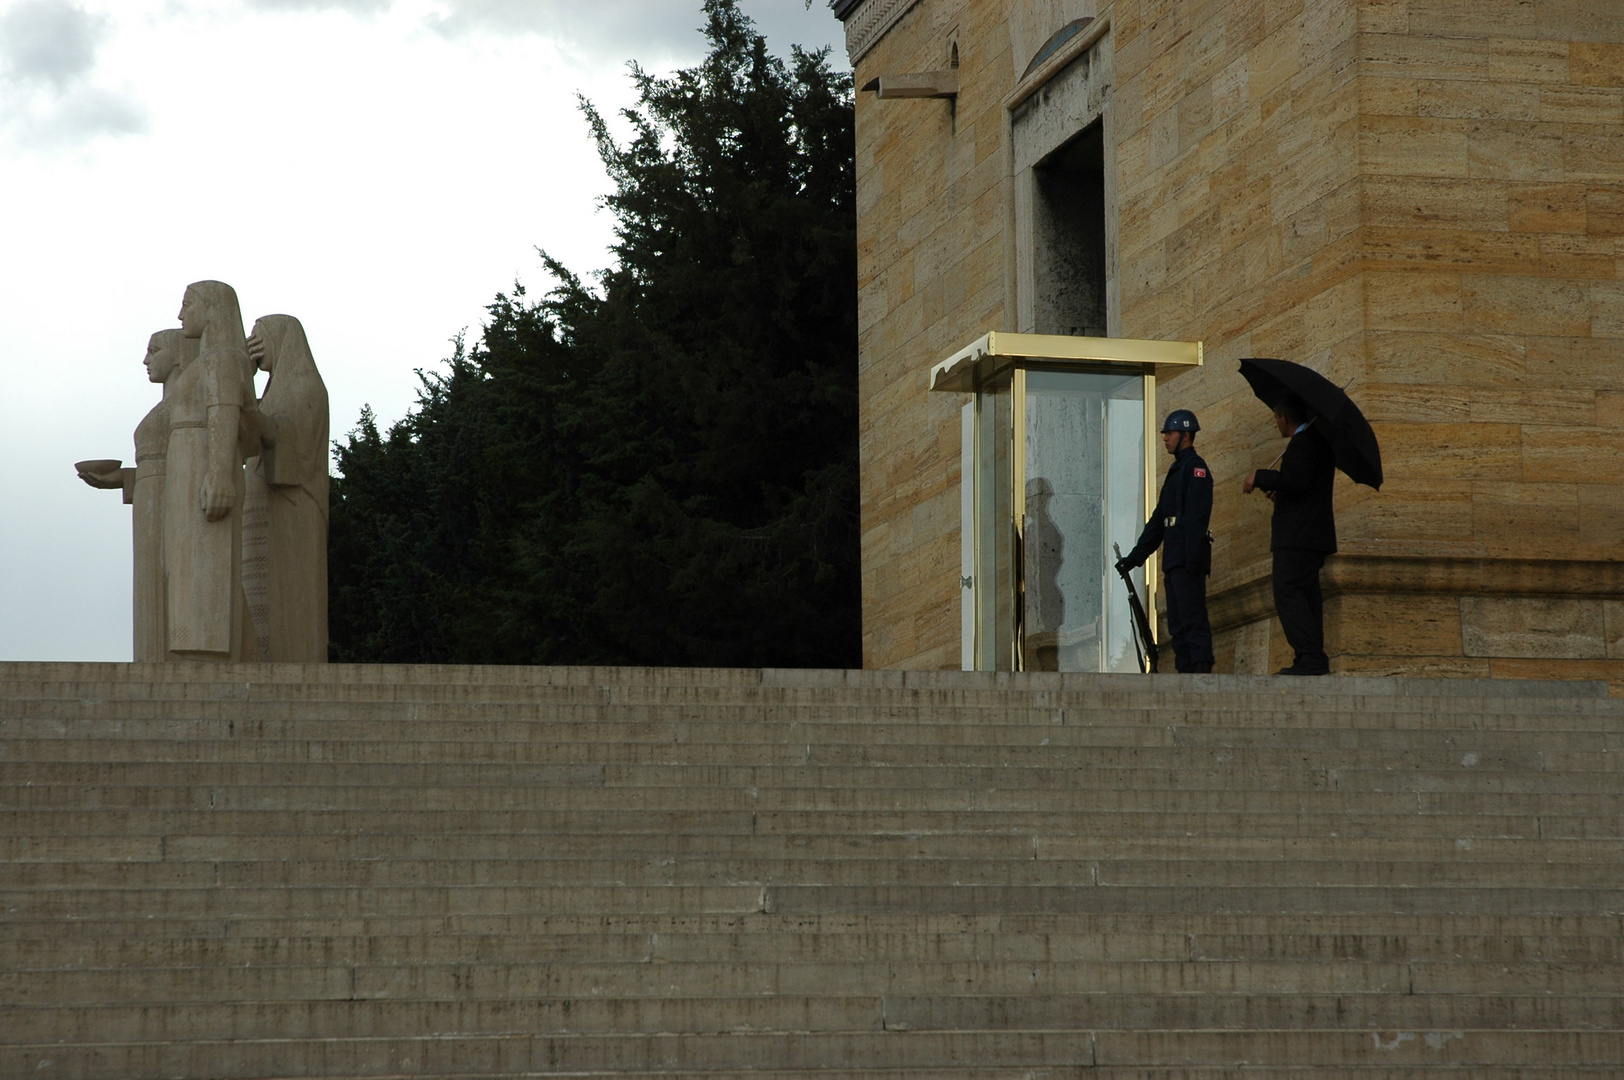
867,22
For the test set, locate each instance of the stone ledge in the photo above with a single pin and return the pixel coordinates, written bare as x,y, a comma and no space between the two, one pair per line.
389,683
1245,596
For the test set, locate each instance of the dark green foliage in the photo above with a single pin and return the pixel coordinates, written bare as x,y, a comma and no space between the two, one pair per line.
661,469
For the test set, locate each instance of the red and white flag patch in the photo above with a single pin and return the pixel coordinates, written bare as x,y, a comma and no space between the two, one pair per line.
1201,473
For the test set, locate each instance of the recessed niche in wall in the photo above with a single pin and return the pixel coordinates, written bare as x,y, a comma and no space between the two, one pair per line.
1068,237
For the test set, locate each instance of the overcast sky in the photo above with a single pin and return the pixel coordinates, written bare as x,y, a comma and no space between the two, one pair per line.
378,168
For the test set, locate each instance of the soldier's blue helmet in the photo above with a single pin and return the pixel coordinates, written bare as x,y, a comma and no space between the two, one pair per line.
1181,420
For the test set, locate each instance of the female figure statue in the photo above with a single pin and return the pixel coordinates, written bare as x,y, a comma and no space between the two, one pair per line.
290,475
203,491
168,353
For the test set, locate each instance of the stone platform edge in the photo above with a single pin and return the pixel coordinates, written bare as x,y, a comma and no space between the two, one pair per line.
808,678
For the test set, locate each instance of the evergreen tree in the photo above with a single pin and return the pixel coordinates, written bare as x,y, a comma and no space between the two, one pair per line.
660,468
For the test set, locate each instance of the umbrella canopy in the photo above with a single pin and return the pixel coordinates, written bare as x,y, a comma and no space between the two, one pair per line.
1335,414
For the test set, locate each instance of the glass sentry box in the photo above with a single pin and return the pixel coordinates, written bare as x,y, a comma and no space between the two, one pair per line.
1061,460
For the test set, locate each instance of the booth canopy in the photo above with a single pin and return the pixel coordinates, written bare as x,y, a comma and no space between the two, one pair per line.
988,355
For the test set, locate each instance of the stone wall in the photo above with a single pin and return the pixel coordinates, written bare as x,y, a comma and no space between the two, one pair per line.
930,234
1421,198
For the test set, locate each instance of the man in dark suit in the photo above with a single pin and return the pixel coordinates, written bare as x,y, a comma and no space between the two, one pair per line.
1302,535
1179,526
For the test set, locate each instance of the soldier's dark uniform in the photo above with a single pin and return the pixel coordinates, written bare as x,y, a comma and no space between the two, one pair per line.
1179,526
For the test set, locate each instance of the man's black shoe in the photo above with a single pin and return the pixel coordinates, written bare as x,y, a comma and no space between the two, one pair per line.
1295,670
1199,669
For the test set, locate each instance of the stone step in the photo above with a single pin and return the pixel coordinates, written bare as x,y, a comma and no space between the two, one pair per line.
553,790
277,845
1263,695
856,744
409,675
1283,900
965,689
934,733
1218,934
518,1054
165,943
151,762
1140,1072
182,783
261,870
155,986
1392,816
1444,1071
960,744
1302,1011
154,762
538,767
1323,870
384,901
814,1013
897,789
580,707
549,790
274,846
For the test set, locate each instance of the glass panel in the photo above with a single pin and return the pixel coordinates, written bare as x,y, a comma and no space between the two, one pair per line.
995,527
1085,484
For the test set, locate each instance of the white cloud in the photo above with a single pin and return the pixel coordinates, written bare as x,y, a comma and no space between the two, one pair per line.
653,32
606,25
49,41
656,33
48,51
79,116
354,7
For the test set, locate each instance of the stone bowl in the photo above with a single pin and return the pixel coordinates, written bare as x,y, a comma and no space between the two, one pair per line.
97,466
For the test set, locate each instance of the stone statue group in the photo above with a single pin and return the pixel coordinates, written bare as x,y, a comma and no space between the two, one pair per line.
229,490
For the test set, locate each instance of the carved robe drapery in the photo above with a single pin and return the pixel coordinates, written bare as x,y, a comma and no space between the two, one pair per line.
206,609
289,480
145,492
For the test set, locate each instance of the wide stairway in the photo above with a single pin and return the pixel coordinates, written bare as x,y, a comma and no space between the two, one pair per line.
277,871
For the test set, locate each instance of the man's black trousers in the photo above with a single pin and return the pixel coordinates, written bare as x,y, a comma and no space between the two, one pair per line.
1187,617
1301,607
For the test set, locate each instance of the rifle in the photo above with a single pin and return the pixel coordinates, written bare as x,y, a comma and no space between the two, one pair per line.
1141,621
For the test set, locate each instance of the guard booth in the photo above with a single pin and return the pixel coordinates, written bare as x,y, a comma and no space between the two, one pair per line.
1060,461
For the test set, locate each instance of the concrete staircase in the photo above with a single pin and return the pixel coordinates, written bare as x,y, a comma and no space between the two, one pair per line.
281,871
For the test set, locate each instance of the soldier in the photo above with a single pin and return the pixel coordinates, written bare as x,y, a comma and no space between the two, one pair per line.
1302,533
1179,526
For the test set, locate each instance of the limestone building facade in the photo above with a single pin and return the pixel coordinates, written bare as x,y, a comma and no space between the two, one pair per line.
1422,199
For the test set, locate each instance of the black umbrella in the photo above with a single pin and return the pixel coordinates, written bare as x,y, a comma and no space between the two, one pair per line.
1335,414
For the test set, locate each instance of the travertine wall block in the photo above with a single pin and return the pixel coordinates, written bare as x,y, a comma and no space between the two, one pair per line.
1372,625
1533,628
